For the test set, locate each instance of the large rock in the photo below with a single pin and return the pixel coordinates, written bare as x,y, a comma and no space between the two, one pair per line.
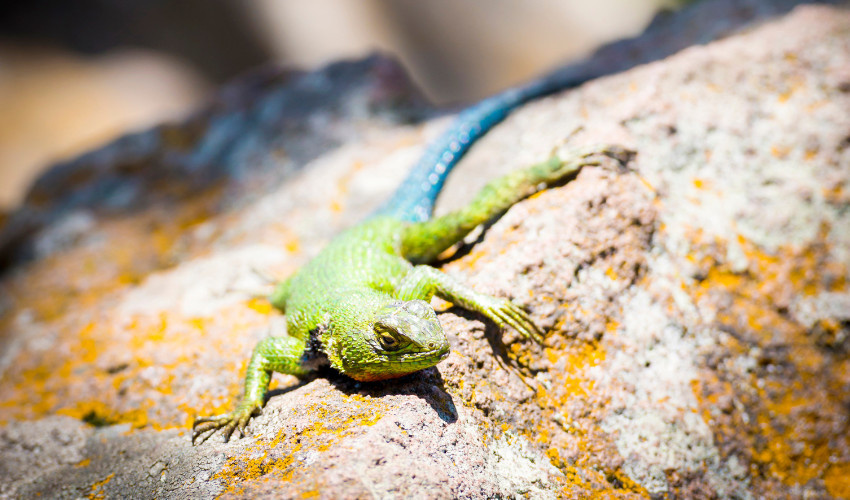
697,306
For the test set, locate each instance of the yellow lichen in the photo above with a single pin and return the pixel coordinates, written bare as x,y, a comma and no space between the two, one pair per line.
96,490
837,480
786,416
262,306
326,428
77,377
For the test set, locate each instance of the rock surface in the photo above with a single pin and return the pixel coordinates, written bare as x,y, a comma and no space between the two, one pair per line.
697,305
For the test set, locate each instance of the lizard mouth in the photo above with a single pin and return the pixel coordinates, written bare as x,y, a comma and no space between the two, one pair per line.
436,355
380,363
398,364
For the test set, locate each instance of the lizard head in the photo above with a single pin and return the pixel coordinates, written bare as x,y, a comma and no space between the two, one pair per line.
397,338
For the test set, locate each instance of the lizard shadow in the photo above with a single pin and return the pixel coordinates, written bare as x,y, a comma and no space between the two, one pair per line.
493,334
428,385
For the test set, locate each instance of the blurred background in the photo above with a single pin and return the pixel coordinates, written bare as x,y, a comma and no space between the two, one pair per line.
75,74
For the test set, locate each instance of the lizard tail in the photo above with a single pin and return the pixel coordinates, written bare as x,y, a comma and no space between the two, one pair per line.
413,201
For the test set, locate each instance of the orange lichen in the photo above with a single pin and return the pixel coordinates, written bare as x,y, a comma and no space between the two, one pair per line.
792,416
96,490
780,151
118,371
571,388
98,414
262,306
582,357
276,457
292,245
836,194
837,480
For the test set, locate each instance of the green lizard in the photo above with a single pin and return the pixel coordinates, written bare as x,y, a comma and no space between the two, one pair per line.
362,304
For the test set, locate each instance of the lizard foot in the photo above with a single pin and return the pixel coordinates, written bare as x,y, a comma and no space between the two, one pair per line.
571,160
620,154
204,427
593,156
504,313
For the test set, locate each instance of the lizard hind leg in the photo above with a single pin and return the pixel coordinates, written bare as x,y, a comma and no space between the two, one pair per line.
422,242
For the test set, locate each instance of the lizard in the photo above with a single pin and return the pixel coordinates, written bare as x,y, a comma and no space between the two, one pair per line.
362,304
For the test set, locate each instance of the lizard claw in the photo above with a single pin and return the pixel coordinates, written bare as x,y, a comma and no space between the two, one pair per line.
505,313
204,427
592,156
620,154
572,160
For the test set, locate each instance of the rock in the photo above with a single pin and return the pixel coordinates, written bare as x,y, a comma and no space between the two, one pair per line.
254,134
695,307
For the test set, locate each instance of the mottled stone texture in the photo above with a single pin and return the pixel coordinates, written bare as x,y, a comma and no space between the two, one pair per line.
697,305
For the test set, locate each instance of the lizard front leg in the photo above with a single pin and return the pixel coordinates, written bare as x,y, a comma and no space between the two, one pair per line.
273,354
423,282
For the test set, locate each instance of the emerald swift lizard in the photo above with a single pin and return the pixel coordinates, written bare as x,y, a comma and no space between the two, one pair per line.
362,305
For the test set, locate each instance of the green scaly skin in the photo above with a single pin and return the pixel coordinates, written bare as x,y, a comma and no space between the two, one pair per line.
362,304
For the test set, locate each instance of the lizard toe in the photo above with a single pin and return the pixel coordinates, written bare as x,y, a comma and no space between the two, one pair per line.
228,429
202,432
204,427
522,317
506,313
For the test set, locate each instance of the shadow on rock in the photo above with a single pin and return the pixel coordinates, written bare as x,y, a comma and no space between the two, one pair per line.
428,385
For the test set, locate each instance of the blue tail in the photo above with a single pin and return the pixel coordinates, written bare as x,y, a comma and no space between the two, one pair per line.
414,200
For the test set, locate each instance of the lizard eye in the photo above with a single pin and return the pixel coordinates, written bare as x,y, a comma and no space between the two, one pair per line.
388,342
389,338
